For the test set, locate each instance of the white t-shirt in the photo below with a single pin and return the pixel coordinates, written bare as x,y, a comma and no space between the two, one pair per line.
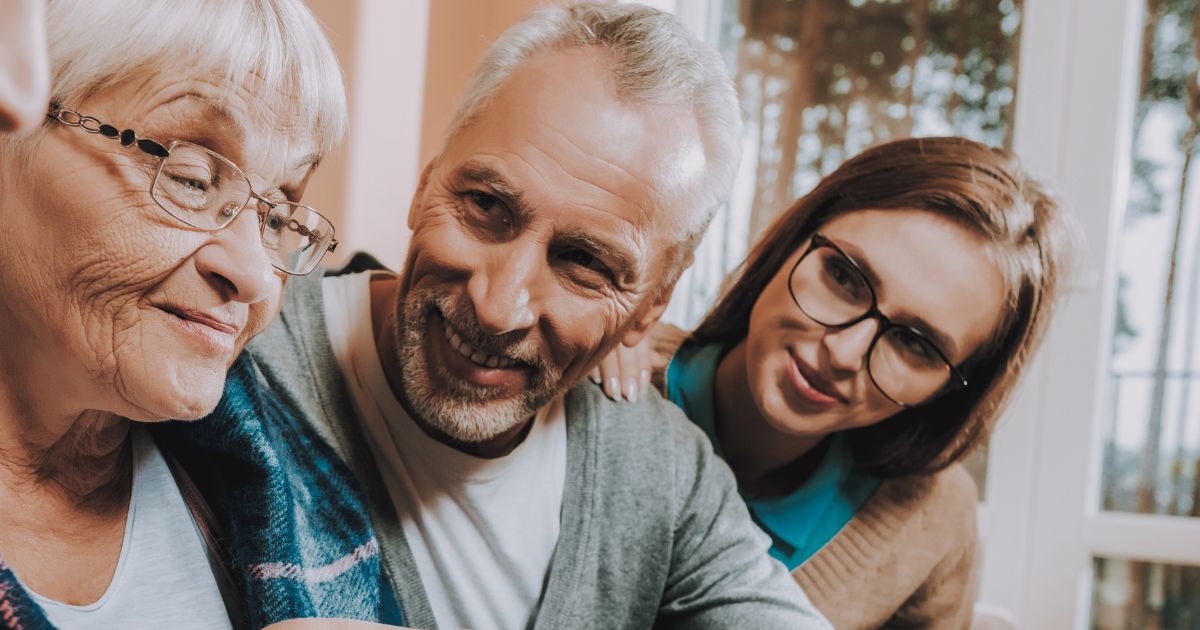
163,578
481,531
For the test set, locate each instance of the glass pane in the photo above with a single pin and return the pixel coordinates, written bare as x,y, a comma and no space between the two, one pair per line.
821,80
1152,439
1128,595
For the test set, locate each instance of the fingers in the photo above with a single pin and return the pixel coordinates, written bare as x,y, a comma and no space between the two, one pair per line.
630,360
608,374
625,373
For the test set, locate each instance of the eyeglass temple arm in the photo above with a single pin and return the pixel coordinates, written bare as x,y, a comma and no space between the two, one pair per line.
128,138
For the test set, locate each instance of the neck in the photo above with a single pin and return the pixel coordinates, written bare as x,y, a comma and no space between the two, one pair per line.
763,458
384,316
77,457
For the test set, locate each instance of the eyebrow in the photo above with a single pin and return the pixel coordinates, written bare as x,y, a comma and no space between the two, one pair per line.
484,175
218,109
943,341
623,264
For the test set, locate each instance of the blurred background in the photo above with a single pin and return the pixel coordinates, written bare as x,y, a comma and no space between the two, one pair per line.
1090,510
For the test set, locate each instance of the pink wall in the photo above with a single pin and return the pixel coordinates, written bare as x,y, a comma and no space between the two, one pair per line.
399,105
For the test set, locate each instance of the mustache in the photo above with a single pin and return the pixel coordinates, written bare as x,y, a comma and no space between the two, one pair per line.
516,345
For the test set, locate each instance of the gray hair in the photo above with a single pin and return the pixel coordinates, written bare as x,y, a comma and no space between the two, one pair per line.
93,45
655,60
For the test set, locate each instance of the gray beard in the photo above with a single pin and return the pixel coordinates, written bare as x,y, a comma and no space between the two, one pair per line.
463,411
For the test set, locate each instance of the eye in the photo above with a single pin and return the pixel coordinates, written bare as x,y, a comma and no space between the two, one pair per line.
191,183
844,277
488,212
585,260
915,347
228,211
274,222
485,202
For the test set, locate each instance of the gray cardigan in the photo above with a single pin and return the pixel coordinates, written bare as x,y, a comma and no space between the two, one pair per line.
653,531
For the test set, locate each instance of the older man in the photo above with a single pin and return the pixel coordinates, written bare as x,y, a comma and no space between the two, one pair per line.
589,154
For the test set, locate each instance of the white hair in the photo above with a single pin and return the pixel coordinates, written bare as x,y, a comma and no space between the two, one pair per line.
654,60
93,44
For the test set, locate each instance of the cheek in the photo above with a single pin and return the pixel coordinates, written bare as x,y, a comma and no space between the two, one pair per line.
578,330
440,248
97,255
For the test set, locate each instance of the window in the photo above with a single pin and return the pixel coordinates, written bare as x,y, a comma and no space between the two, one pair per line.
1151,416
1094,468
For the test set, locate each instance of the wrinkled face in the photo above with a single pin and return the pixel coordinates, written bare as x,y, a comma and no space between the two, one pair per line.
117,304
928,273
24,72
538,243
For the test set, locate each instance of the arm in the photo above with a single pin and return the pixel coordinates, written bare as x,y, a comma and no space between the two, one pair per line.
945,600
720,574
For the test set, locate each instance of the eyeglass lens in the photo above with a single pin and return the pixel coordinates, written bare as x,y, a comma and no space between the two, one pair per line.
205,190
905,365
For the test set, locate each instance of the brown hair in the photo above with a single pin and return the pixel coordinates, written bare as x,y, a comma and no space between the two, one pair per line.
979,187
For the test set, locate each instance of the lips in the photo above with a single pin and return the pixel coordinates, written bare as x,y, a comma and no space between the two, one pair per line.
812,385
204,319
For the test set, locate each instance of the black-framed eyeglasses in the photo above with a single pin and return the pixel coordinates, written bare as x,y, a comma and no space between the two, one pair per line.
832,289
207,191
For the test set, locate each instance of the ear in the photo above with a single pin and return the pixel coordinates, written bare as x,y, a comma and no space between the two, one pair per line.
414,207
646,321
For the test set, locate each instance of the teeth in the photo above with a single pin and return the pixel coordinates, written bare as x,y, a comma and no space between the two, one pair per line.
475,356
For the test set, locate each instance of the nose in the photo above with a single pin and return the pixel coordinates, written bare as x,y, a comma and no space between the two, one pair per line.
500,292
848,346
236,262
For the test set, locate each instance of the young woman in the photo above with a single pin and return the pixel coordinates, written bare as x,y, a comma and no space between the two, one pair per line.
867,344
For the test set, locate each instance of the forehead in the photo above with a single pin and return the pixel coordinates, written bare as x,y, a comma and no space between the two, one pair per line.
558,131
175,102
927,267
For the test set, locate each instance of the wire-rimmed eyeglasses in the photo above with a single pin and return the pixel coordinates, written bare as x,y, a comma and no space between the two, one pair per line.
207,191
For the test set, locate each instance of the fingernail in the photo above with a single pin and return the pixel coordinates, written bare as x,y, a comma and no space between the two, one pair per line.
614,388
595,378
645,378
631,389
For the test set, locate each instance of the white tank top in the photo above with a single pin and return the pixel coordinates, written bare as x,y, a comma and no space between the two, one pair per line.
163,578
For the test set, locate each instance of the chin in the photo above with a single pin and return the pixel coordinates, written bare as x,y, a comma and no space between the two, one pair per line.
173,392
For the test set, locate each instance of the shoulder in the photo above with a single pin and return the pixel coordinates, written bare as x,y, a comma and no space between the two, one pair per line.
935,511
652,432
293,357
648,454
301,321
949,496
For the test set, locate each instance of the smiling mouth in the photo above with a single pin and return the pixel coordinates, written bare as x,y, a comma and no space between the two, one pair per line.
818,384
472,354
204,319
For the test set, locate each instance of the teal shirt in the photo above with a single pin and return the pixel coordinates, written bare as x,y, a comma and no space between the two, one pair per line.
799,523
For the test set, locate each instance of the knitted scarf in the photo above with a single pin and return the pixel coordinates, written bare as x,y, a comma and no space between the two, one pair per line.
291,524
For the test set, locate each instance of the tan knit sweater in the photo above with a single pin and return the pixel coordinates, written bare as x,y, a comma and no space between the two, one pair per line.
906,559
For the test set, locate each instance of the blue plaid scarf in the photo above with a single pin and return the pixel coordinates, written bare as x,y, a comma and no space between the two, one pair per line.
292,526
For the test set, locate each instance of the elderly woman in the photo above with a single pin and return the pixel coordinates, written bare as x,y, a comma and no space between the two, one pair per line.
149,225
